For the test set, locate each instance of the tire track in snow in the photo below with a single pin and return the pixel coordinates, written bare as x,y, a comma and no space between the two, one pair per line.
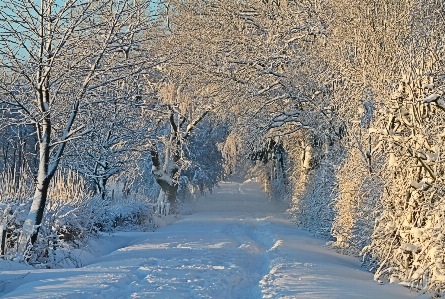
251,255
224,260
231,267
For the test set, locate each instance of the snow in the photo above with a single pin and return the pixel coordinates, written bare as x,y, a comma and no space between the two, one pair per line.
409,247
237,244
431,98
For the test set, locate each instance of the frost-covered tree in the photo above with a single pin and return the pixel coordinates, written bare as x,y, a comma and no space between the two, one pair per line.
116,143
177,118
55,60
206,161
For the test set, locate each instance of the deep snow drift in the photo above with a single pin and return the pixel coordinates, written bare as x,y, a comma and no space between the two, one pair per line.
236,245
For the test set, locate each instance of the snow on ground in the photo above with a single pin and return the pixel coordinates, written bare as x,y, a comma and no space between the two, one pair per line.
236,245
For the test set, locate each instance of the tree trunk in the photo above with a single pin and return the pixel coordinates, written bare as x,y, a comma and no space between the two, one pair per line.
101,189
168,193
34,219
164,177
171,193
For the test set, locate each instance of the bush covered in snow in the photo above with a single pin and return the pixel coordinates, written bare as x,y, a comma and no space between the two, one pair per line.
73,216
408,242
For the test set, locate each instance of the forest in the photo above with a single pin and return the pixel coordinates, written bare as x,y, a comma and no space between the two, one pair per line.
116,112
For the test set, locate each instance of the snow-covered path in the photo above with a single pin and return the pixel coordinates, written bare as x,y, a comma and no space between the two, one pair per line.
236,245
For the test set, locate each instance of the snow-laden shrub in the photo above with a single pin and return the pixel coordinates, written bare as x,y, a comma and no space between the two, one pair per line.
314,190
66,226
360,185
13,215
357,204
135,215
408,244
73,216
15,192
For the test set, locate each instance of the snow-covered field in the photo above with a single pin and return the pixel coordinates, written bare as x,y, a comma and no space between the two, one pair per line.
236,245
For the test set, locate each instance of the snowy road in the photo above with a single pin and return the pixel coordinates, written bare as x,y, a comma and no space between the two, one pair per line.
237,245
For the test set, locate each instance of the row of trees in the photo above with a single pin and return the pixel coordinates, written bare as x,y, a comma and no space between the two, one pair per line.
340,103
86,85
